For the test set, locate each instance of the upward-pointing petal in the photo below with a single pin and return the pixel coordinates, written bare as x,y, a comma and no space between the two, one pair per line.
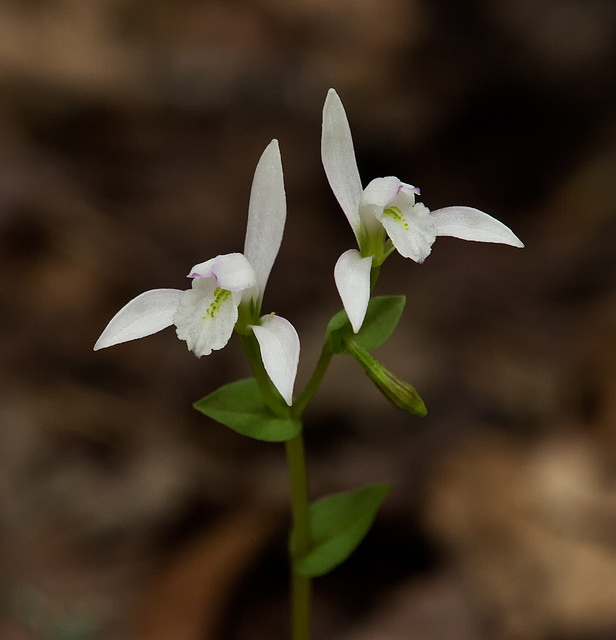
338,156
146,314
467,223
267,214
279,344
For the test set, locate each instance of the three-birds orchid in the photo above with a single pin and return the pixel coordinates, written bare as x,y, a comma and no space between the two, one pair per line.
385,216
227,291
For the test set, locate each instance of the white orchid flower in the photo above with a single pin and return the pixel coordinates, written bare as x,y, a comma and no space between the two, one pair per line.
225,288
386,208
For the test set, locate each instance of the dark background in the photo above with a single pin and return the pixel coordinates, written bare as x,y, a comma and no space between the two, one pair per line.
129,132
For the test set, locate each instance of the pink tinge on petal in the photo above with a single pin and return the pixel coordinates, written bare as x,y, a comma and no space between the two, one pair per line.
203,269
381,191
231,271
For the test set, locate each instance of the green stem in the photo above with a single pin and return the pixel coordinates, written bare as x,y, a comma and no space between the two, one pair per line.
301,585
313,384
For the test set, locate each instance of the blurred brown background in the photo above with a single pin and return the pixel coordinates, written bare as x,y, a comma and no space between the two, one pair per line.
129,132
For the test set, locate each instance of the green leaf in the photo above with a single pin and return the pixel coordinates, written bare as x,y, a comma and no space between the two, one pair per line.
241,407
338,524
381,319
338,329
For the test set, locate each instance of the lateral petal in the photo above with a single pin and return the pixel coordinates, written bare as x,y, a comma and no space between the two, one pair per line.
279,344
338,156
468,223
144,315
352,276
267,213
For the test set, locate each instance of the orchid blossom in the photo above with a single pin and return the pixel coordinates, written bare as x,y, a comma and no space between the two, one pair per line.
226,288
384,216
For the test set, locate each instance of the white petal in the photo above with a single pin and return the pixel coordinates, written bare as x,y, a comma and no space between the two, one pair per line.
381,191
232,271
267,214
205,316
144,315
410,226
467,223
338,156
352,276
279,344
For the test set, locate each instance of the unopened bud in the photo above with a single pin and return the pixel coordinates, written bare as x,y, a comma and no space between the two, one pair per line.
400,393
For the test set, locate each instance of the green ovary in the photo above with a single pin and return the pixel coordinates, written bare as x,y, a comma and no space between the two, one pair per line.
397,215
220,297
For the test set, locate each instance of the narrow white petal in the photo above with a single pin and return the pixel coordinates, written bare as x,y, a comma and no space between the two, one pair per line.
279,344
144,315
206,315
352,276
267,214
338,156
467,223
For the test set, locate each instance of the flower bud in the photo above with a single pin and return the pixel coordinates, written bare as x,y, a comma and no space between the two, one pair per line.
400,393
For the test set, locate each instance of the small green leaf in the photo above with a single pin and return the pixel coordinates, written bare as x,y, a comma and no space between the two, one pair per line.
338,329
240,407
381,319
338,524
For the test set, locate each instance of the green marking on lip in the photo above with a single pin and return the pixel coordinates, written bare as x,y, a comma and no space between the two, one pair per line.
220,297
396,214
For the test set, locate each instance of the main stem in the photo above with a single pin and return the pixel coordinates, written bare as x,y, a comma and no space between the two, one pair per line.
301,586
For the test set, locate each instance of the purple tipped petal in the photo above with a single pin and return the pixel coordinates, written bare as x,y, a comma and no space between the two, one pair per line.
352,276
338,156
467,223
146,314
232,271
381,191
